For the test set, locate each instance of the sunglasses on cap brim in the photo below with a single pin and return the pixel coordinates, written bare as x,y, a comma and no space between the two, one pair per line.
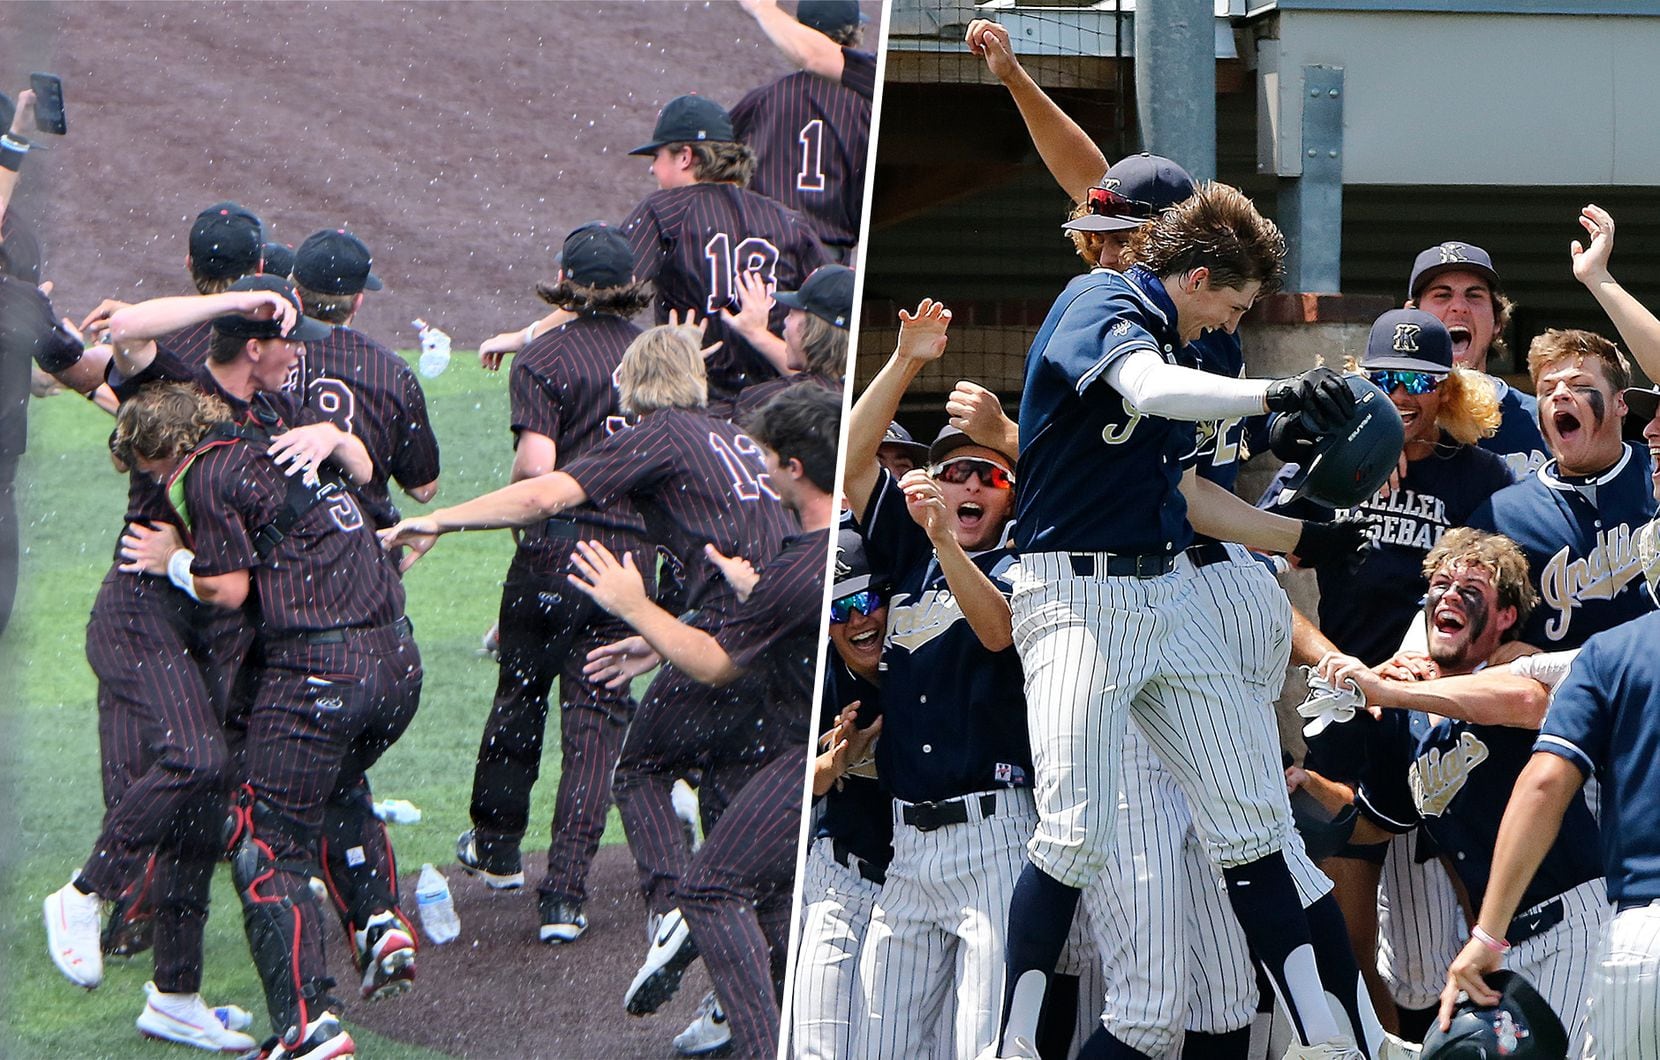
865,601
1104,202
1416,384
992,474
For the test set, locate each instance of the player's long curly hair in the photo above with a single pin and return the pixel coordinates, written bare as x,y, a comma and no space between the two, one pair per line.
663,369
1500,557
164,421
622,301
719,162
1469,409
1217,228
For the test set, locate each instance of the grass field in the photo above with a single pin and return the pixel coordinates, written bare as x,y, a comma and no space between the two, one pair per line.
72,503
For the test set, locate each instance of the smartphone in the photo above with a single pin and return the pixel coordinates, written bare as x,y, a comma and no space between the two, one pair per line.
49,116
8,111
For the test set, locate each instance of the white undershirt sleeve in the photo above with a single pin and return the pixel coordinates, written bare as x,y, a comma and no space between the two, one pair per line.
1154,387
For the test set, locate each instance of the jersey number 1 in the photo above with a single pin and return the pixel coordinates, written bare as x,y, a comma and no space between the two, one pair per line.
727,262
811,139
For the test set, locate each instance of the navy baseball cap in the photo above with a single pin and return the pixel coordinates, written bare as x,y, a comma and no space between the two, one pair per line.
687,119
1450,257
828,16
279,259
827,294
1408,340
305,328
1641,403
950,439
334,261
897,435
225,242
852,566
1133,191
597,255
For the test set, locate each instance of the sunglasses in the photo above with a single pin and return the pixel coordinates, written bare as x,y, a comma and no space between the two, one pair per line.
992,475
1416,383
1104,202
866,602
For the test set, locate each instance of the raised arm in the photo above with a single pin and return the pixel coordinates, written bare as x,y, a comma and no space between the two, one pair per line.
134,329
978,413
1636,325
981,602
921,339
15,146
802,45
1071,156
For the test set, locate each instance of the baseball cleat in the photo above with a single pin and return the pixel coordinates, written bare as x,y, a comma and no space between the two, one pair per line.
1394,1048
561,922
498,877
386,956
1339,1048
73,935
185,1020
708,1034
130,927
672,951
324,1039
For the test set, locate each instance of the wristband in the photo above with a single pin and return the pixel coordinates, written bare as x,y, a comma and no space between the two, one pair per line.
529,334
12,151
178,571
1499,946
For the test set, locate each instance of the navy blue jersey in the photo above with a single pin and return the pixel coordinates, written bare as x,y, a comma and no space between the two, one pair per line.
1580,538
859,71
1094,474
778,630
810,138
1217,443
693,242
1518,439
1605,719
1455,778
1366,613
955,712
856,809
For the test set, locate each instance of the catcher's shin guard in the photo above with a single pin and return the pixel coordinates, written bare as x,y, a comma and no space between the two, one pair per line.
357,859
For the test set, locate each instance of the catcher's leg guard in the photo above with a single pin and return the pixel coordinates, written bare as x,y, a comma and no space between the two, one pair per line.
358,864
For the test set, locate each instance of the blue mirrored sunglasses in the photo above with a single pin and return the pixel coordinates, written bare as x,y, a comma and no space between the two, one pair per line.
1416,383
865,602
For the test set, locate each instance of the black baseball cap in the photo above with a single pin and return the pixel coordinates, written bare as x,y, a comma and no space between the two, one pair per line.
827,16
897,435
687,119
279,259
225,242
950,439
1409,340
1132,192
852,566
305,328
1450,257
597,255
333,261
1642,401
827,294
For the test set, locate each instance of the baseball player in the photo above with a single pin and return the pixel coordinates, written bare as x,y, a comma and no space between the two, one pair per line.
735,893
1636,325
811,134
815,51
15,355
564,402
1457,284
703,231
815,336
225,245
1448,751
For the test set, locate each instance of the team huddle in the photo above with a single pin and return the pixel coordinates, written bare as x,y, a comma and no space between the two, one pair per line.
1059,640
674,490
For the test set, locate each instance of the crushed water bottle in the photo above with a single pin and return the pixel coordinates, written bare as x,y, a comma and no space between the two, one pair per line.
435,350
436,907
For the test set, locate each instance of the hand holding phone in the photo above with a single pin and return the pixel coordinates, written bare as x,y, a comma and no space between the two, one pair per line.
49,115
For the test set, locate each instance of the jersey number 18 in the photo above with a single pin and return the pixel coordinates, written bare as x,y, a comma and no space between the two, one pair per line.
726,262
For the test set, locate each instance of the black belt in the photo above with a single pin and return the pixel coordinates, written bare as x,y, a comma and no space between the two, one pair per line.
1208,552
342,634
927,816
848,860
1143,565
1625,904
1536,922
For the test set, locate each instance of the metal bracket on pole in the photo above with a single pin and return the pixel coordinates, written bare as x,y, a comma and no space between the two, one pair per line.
1311,205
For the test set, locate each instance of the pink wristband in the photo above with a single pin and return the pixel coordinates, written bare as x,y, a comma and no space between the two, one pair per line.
1496,945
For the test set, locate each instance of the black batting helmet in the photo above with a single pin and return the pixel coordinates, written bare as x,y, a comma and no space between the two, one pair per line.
1343,467
1522,1025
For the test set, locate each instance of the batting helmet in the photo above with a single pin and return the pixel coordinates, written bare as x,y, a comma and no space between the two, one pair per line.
1521,1025
1341,468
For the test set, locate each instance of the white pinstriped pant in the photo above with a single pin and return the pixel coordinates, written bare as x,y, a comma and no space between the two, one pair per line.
1623,1018
1421,926
1558,962
938,929
835,913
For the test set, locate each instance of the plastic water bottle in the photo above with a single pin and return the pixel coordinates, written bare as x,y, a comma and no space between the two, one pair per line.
436,907
435,350
398,811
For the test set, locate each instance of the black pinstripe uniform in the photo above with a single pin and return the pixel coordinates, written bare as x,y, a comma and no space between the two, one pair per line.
561,388
691,243
810,137
735,894
696,480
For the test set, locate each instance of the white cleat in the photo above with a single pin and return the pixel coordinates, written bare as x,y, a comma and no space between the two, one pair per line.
73,930
1395,1049
708,1034
1339,1048
672,951
186,1020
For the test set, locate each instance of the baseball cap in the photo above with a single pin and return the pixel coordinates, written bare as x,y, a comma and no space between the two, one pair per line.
225,242
279,259
827,16
1450,257
1133,192
686,119
597,255
897,435
852,566
1409,340
333,261
827,294
1641,403
305,329
950,439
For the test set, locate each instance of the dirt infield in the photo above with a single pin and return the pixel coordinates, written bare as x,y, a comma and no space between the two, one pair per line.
497,992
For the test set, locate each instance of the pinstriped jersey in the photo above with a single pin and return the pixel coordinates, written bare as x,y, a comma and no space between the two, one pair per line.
327,572
696,481
365,389
777,629
859,71
754,397
810,138
693,242
563,387
190,343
